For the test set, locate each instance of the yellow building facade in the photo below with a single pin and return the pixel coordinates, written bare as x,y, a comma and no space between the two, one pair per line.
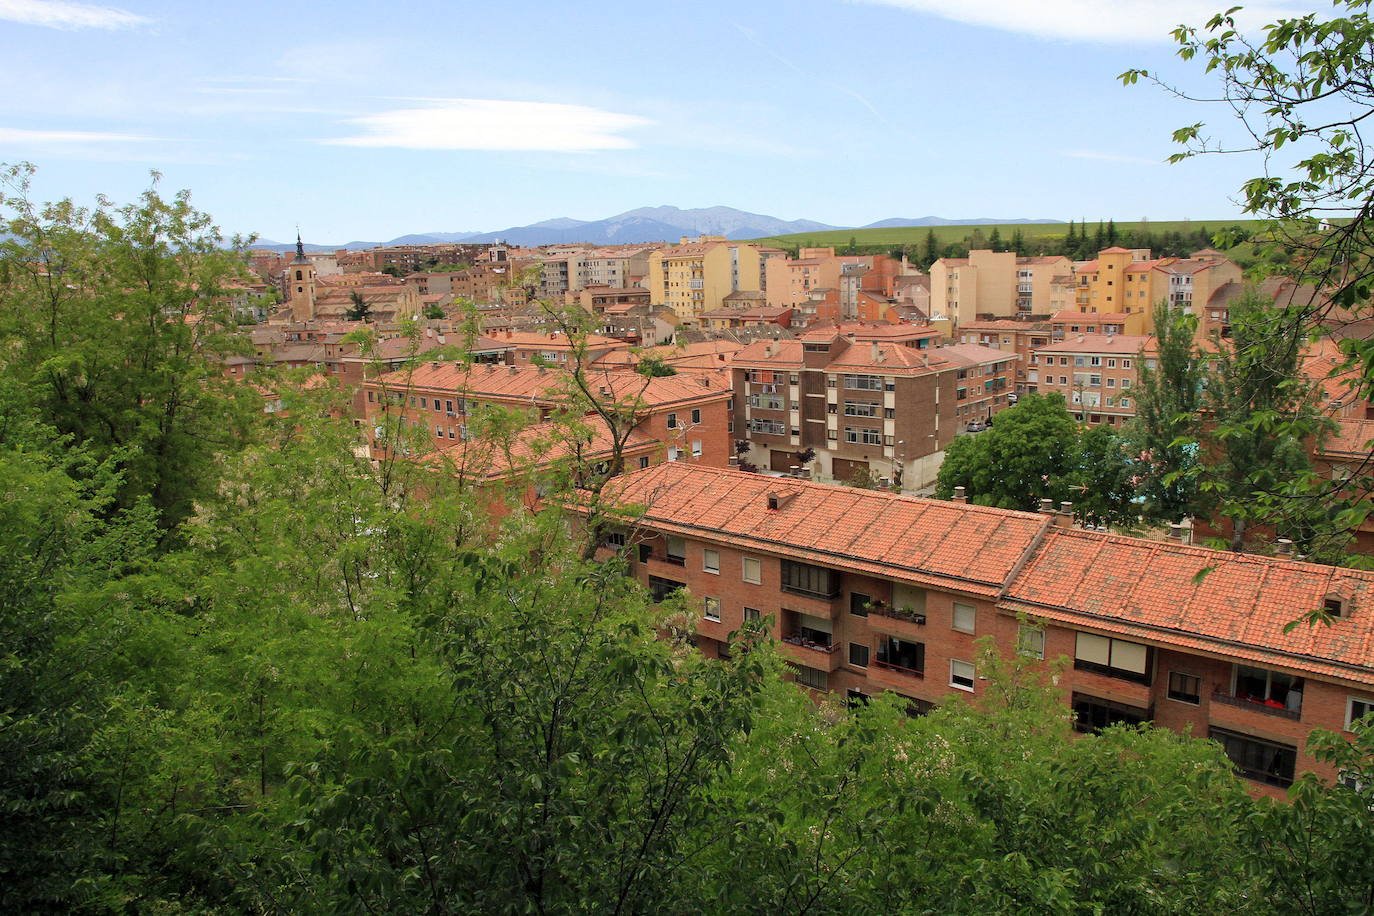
696,276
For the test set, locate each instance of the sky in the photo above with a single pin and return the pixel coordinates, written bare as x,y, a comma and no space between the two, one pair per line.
365,121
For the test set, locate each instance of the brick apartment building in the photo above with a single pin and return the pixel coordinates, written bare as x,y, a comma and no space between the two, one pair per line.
1019,337
1096,373
878,407
871,591
689,415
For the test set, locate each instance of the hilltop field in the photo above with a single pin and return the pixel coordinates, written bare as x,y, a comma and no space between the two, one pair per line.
945,235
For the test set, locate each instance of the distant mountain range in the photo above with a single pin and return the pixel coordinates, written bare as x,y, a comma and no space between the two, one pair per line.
644,225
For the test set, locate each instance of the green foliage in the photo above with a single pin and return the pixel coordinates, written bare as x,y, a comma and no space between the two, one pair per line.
359,309
1168,397
434,311
1025,456
345,686
113,320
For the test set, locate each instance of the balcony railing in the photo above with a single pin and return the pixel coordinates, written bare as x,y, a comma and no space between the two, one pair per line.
676,561
889,666
811,644
897,613
1268,707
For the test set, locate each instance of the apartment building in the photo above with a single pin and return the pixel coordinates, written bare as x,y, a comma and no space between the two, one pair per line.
688,415
869,591
597,299
1131,282
623,266
998,284
834,287
1019,337
529,348
866,407
696,276
1096,373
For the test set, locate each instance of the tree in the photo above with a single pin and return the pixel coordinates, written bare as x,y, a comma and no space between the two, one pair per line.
1018,242
1259,414
1168,397
1023,458
434,311
115,322
995,239
930,253
360,309
1300,86
1100,482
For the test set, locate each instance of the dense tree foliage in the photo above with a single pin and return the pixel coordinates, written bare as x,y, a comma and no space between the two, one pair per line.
1036,450
345,686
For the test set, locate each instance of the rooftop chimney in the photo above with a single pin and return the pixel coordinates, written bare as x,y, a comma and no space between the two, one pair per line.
1046,507
960,495
1064,518
1284,546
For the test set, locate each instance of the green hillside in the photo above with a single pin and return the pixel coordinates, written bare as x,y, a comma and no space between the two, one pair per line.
915,235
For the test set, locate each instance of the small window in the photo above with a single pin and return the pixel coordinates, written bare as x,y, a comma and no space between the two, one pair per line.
644,461
710,609
710,561
1333,605
672,421
811,677
1030,641
696,416
1357,708
960,675
858,655
751,570
1185,688
858,604
751,613
964,616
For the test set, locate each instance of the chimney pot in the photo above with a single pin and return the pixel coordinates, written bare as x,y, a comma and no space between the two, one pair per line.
1047,506
960,495
1285,546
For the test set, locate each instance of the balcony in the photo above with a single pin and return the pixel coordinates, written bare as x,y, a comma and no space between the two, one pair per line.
906,672
896,613
811,652
1267,707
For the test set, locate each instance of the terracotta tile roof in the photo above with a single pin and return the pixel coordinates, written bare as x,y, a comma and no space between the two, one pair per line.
1121,344
973,354
538,446
531,386
551,341
1006,324
1152,590
1351,440
784,354
925,541
1100,318
1115,249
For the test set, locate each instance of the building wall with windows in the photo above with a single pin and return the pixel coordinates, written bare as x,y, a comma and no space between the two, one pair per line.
1097,374
870,591
866,407
690,415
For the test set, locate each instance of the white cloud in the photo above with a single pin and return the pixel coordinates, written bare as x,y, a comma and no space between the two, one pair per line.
1128,21
1111,157
33,137
492,124
58,14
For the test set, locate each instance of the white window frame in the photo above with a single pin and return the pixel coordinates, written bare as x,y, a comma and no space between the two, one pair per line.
970,677
1033,647
962,608
1350,702
706,562
710,609
745,563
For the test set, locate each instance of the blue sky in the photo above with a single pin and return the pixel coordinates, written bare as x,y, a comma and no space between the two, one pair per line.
366,120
